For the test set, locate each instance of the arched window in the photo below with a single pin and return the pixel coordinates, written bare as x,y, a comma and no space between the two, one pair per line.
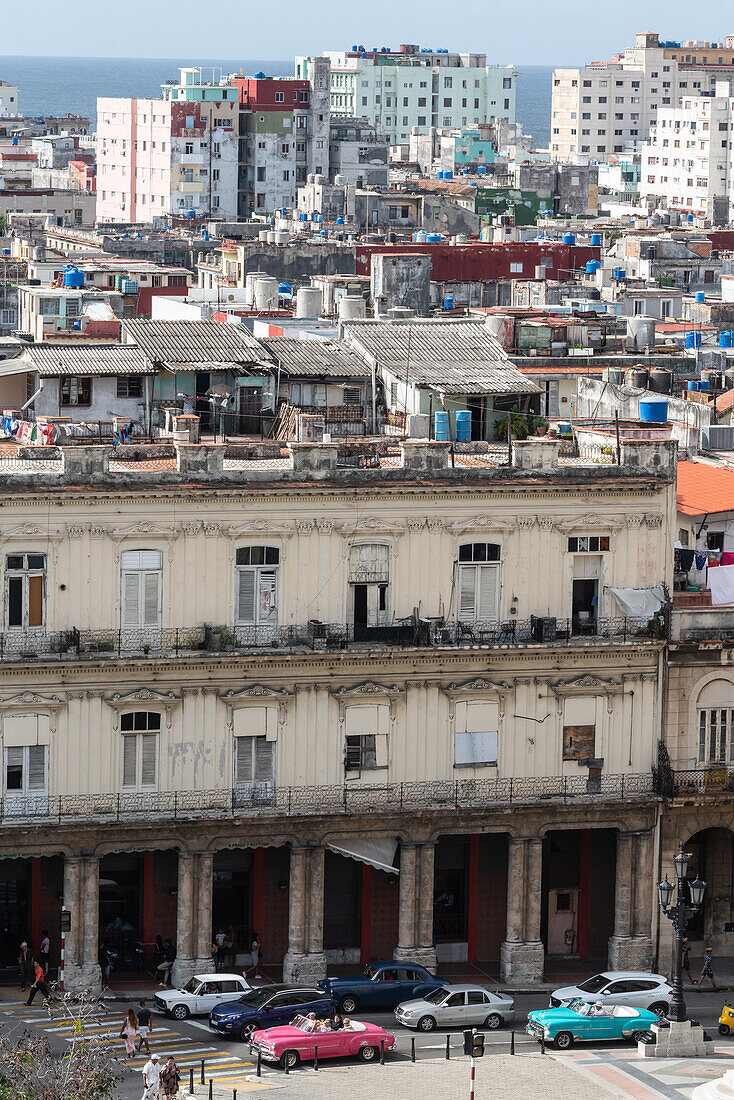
715,708
479,581
256,592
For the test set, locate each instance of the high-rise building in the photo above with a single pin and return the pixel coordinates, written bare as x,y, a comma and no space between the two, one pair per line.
397,90
8,99
607,107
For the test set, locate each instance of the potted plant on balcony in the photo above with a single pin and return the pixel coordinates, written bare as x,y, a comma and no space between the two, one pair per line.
540,426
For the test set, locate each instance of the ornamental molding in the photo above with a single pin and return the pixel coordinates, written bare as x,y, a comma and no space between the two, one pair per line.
654,519
456,692
435,523
415,525
484,522
149,696
371,525
324,526
592,521
255,695
31,699
259,527
304,526
75,530
367,692
586,685
145,530
31,531
190,528
634,520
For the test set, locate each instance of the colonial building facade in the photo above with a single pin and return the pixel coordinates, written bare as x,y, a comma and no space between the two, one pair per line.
366,712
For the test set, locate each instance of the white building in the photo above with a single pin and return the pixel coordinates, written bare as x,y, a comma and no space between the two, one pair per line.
607,108
397,90
8,99
687,165
171,156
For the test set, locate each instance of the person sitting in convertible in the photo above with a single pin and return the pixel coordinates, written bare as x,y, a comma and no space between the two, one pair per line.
598,1009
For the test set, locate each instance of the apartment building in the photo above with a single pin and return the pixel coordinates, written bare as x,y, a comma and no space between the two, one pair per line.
8,100
607,108
687,163
173,156
223,747
397,90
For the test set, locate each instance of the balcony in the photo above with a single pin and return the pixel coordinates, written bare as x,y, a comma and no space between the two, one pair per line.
319,637
266,799
190,188
708,782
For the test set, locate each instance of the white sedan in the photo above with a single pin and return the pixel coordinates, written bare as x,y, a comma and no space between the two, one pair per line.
200,995
457,1006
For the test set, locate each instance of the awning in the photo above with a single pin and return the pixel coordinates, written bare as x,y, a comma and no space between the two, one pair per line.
378,851
639,603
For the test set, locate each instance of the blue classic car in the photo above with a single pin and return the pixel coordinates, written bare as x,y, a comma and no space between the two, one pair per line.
581,1022
381,984
268,1006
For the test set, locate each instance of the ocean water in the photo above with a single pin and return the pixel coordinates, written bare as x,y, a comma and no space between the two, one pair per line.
59,85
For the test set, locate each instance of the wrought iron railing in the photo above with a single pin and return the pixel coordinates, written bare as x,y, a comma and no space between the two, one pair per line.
349,798
319,637
710,780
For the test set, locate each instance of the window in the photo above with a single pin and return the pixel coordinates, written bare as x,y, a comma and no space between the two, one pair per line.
591,544
475,734
256,585
279,97
141,590
76,390
49,307
366,745
479,583
140,730
129,386
715,728
25,590
7,317
254,762
352,395
26,776
189,147
578,742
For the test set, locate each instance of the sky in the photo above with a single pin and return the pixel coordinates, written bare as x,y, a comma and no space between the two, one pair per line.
530,33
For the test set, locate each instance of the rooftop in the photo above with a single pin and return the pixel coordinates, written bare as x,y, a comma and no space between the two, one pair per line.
316,357
53,360
193,342
704,489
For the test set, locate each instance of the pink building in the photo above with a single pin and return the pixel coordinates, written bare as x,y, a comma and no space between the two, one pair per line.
133,159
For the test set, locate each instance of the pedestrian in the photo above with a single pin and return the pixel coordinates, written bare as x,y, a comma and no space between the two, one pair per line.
25,966
170,1077
145,1026
44,951
129,1032
151,1078
39,985
708,967
105,964
255,955
158,955
169,957
219,941
685,960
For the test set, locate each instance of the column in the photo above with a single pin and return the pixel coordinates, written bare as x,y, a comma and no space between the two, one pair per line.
184,966
630,946
87,974
204,885
73,952
522,953
316,903
426,953
305,960
407,902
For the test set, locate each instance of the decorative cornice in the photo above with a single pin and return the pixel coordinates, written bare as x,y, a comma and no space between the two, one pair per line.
592,521
31,699
484,522
31,531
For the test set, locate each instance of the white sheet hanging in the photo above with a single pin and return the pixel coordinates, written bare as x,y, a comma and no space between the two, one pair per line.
721,584
639,603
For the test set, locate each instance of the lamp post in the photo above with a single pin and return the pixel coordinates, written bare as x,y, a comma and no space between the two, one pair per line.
687,905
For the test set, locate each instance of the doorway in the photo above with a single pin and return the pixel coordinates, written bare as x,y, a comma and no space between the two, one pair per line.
250,410
584,606
203,407
370,605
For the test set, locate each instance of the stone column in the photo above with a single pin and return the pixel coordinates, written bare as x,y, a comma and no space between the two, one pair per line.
78,975
184,966
408,886
204,884
305,960
426,948
630,947
522,954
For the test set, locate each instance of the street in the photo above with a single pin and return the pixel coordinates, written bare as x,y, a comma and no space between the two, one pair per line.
228,1062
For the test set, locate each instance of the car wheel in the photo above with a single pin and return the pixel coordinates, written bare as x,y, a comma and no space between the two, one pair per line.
180,1012
660,1008
426,1023
246,1032
493,1021
368,1054
563,1040
348,1005
724,1029
289,1058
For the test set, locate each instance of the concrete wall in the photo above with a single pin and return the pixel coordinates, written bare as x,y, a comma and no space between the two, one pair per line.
603,399
105,402
401,280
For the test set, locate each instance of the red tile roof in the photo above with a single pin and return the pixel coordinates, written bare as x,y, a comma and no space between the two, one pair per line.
704,489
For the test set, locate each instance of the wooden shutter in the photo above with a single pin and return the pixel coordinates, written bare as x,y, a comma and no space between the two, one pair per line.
246,595
467,591
129,756
578,742
243,760
35,601
488,591
131,599
263,760
151,599
267,595
14,759
463,748
149,752
36,768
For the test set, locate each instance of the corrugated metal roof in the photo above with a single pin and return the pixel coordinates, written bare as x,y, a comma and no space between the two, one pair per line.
455,356
194,341
51,360
319,358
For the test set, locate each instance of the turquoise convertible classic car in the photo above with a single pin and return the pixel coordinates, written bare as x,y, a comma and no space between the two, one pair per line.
578,1021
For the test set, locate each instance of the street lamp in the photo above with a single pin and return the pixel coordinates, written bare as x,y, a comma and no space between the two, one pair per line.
680,914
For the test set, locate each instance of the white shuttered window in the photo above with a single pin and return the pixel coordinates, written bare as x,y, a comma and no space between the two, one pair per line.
254,761
140,731
256,589
479,582
142,588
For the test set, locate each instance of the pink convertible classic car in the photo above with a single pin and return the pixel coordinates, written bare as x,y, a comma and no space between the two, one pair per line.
296,1042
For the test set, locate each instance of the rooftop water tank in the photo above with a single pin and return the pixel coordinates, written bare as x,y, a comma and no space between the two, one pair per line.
250,279
569,238
615,375
689,217
448,302
352,307
308,302
692,385
285,290
637,377
263,236
340,220
729,378
420,237
725,339
654,410
661,380
596,240
700,296
265,293
714,378
502,327
693,339
259,76
481,169
73,276
640,334
5,251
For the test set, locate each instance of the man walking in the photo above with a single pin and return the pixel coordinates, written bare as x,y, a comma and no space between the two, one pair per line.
39,985
145,1026
151,1078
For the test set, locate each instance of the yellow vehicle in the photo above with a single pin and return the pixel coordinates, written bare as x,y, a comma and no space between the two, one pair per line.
726,1020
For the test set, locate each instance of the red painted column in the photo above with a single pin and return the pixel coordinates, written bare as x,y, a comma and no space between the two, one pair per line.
365,936
258,886
35,921
473,898
147,914
582,927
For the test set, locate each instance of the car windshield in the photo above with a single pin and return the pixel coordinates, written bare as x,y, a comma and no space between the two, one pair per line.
435,997
580,1007
370,972
593,985
255,997
192,985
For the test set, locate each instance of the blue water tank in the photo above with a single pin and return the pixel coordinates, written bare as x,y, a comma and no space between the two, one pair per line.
285,290
340,220
189,214
441,426
354,49
700,296
448,175
284,210
259,76
448,302
324,233
654,409
73,277
689,217
304,217
433,238
725,339
15,141
202,231
590,267
596,240
463,426
481,169
693,385
563,427
704,384
569,238
693,339
6,252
